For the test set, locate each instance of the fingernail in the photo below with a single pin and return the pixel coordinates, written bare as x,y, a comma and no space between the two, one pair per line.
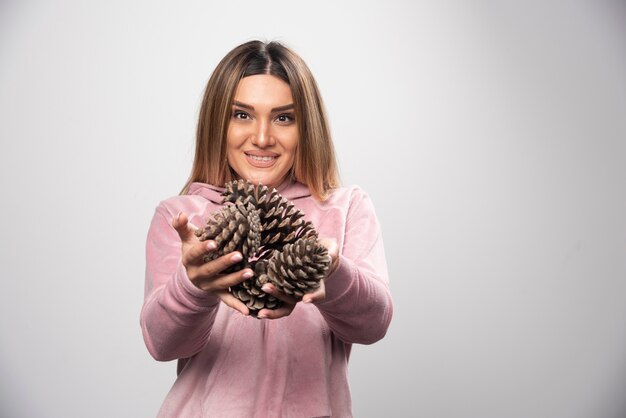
248,274
211,245
266,288
178,217
261,316
237,257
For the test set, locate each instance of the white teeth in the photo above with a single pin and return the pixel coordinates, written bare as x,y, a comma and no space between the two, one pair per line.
258,158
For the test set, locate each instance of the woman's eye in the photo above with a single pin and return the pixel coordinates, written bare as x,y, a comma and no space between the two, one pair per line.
285,118
238,114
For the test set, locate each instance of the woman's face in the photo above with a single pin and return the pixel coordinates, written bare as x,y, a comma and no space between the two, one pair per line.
262,134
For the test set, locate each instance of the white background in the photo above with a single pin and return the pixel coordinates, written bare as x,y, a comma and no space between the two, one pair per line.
490,135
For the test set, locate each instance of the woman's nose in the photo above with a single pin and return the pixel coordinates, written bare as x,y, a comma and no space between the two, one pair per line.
263,136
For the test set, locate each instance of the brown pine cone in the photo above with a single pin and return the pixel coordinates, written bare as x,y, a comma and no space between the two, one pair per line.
235,227
281,221
275,240
250,293
298,268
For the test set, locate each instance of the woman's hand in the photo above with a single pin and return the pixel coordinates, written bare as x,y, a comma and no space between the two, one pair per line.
289,302
207,276
333,252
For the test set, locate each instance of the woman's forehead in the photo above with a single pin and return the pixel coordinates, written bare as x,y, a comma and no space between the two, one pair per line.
263,91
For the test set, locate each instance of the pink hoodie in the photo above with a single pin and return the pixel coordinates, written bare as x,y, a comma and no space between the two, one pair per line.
241,366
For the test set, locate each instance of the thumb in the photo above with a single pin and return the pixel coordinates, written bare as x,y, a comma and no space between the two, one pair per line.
333,252
185,230
331,246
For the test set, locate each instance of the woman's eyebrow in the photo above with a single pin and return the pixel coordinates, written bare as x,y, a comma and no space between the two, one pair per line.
276,109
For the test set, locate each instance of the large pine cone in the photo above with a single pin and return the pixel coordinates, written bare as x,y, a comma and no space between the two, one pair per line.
298,268
250,293
275,240
281,222
235,227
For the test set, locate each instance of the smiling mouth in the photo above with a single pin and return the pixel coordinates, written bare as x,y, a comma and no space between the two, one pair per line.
261,160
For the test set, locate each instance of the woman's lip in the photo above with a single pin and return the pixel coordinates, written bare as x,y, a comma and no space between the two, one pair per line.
260,153
261,163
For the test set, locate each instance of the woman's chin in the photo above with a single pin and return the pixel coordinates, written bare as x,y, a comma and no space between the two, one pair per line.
269,181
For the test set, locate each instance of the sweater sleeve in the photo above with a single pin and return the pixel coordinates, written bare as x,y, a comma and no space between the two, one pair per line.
176,317
358,306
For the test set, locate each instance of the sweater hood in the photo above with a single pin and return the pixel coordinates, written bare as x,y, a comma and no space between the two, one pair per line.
289,189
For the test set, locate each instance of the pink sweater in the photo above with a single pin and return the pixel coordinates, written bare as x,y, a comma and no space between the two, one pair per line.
245,367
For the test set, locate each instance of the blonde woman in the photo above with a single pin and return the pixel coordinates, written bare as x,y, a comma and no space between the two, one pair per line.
263,119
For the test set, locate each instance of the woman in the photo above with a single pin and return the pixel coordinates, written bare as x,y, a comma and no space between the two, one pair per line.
262,119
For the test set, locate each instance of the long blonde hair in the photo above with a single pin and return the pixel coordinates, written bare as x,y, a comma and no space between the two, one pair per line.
314,165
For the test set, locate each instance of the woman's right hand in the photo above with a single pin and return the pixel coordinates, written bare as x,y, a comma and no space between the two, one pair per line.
207,275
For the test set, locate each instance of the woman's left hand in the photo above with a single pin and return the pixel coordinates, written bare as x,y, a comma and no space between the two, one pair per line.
289,302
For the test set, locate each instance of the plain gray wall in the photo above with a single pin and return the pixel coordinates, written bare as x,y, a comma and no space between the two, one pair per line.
490,135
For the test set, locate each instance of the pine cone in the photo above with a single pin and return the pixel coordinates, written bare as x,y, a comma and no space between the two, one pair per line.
281,221
250,293
235,227
298,268
275,240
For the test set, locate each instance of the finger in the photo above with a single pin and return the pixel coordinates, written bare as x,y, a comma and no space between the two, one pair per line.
186,231
270,289
223,282
233,302
233,279
284,310
219,264
333,252
330,244
317,295
195,254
